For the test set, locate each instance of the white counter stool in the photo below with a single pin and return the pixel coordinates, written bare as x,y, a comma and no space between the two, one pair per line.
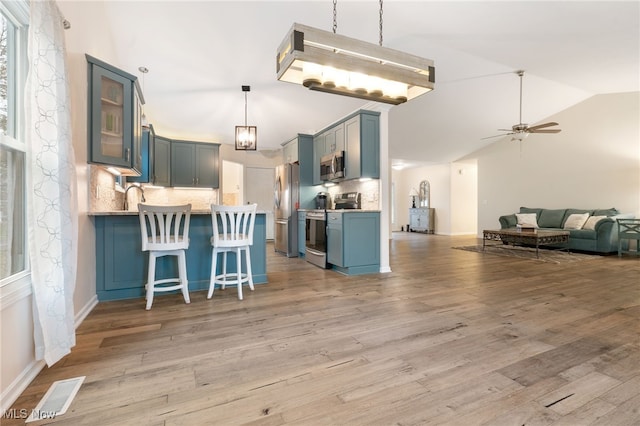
165,232
234,234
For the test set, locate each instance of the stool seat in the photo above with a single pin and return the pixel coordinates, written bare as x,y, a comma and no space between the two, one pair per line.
165,232
232,233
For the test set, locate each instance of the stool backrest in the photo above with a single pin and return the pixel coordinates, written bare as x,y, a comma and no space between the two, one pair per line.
235,225
164,227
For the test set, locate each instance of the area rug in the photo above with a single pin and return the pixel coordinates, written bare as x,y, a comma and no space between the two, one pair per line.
521,252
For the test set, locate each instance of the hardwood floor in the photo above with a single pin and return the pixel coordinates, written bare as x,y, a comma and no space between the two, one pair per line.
450,337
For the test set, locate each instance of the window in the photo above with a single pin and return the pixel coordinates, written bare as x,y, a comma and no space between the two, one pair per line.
13,230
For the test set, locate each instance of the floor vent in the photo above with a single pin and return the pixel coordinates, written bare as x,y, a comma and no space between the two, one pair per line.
57,399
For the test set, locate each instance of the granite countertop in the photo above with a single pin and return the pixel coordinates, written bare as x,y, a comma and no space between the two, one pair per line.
341,210
135,212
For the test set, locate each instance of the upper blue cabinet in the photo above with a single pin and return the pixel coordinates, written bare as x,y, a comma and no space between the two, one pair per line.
114,118
358,135
362,135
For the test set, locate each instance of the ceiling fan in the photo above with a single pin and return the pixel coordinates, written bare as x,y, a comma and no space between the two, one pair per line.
521,130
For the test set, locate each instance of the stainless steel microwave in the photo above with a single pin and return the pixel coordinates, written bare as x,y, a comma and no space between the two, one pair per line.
332,166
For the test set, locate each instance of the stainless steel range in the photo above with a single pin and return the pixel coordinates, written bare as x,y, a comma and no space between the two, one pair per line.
316,238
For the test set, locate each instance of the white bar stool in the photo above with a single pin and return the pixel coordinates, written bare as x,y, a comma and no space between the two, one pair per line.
234,234
165,232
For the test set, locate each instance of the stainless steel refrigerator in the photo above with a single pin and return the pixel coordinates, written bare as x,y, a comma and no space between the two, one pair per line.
286,191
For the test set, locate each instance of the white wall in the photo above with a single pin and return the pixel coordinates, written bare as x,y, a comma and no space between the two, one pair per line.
464,198
439,179
17,352
593,163
453,196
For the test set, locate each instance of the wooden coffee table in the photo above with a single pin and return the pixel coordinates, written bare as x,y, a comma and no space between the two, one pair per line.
514,236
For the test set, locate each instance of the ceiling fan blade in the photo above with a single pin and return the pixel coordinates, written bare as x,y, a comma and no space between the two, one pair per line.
497,136
540,126
544,131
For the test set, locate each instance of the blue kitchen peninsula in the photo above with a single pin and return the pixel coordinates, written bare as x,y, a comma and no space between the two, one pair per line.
121,265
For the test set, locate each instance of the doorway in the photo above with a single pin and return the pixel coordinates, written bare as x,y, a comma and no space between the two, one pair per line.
259,189
232,183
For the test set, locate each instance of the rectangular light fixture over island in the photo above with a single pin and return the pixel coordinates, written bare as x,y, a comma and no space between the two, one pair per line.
328,62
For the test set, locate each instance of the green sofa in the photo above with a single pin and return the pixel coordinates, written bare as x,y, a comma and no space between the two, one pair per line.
602,239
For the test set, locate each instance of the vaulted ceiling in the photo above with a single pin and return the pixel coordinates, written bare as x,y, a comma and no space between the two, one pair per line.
199,54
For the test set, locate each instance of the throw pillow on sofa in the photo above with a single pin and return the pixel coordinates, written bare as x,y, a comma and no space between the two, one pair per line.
591,222
576,221
527,219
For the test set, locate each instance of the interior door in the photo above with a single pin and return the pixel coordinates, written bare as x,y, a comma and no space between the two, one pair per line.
259,189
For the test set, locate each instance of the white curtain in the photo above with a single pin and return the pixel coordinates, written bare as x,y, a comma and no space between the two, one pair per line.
51,197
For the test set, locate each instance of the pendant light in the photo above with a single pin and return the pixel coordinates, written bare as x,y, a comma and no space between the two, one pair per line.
143,119
332,63
246,136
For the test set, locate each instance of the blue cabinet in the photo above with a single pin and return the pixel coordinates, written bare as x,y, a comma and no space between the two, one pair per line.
114,118
335,252
161,161
156,160
303,144
358,135
195,164
362,150
121,265
353,242
145,158
318,153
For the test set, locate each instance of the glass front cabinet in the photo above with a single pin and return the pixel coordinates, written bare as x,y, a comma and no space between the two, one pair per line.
115,110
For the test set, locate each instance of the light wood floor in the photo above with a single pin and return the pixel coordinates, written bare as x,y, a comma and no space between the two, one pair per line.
448,338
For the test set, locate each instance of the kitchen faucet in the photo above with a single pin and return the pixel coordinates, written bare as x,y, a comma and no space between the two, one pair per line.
133,185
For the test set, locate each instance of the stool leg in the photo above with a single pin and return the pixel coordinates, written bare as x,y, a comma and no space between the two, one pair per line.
224,270
239,273
212,280
249,274
151,276
182,268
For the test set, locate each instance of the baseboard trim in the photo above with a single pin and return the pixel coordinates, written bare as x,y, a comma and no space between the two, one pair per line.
15,389
85,311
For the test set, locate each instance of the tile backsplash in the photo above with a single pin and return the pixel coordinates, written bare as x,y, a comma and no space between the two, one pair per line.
106,195
369,191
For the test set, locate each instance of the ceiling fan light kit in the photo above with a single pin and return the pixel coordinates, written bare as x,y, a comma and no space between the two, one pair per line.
521,130
328,62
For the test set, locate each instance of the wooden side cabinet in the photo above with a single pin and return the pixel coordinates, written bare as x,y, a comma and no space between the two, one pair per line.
114,114
422,219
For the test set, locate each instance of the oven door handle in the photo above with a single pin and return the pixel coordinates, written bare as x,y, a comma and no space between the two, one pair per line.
316,252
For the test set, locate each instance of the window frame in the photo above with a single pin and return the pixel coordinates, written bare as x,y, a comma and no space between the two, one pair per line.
18,285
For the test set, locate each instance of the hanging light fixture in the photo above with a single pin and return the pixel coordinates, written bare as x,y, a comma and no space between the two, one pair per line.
246,136
332,63
143,119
